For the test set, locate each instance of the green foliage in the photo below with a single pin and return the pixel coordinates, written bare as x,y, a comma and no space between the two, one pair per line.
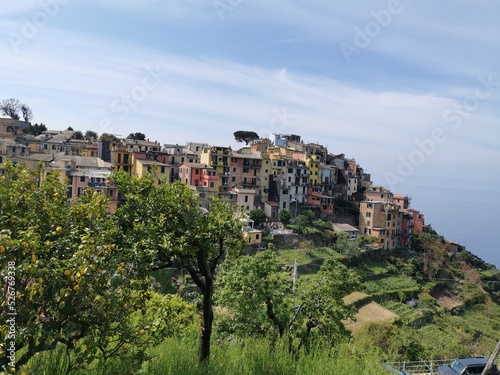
166,316
260,356
249,285
258,215
65,257
300,221
284,217
397,343
89,134
35,129
137,136
258,300
164,226
322,224
245,136
389,284
347,247
78,135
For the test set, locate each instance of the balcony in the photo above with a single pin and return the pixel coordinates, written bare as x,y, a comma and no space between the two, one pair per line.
97,184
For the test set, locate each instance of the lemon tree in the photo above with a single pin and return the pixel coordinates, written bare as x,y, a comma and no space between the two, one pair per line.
64,288
165,226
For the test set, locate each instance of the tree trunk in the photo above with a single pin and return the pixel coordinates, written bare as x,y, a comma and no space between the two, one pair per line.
206,325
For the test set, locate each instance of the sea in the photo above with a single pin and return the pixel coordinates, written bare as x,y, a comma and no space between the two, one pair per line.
470,217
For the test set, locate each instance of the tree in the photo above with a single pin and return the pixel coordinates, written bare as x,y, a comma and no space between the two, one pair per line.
165,226
137,136
73,284
433,252
284,217
70,128
346,246
245,136
260,300
109,137
10,107
78,135
35,129
26,112
90,135
258,215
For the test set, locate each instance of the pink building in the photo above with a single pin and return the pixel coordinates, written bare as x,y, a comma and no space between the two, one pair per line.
379,194
82,179
244,170
199,175
403,201
245,198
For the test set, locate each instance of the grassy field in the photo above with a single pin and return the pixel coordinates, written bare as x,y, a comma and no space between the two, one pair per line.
253,357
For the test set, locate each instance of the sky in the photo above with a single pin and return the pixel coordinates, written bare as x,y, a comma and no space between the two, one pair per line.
410,89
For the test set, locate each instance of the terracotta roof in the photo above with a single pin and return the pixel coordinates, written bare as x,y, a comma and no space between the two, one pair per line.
272,204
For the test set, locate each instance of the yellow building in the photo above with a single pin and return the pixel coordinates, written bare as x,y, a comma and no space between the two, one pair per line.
312,163
381,220
218,158
158,171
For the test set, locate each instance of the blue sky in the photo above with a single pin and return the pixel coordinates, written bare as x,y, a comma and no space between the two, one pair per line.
192,70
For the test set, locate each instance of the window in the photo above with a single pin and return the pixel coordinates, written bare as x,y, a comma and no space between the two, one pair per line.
388,216
257,236
368,222
162,170
284,204
368,214
245,170
233,179
290,170
246,198
196,171
234,169
82,178
211,184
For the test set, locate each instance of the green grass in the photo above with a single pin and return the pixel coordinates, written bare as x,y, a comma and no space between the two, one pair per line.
376,267
252,357
316,255
389,284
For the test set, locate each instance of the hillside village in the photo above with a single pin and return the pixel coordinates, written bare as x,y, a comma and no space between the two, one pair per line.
286,173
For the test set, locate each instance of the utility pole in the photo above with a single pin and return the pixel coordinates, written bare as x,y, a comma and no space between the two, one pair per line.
491,360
